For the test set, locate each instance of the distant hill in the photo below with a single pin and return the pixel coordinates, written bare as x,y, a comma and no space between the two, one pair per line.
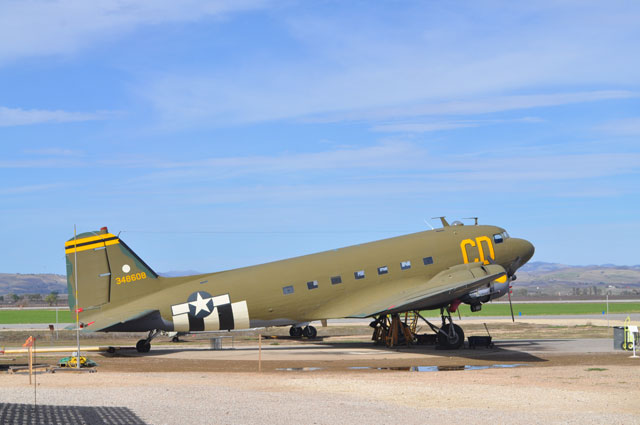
32,283
551,278
561,279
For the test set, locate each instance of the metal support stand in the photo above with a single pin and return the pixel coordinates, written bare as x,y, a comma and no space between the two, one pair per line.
393,331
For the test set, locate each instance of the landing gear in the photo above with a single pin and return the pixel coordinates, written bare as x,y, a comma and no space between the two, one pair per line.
144,345
309,332
175,339
450,337
295,332
392,330
299,332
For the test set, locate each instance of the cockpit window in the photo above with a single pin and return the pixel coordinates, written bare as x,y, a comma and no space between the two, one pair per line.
505,235
498,238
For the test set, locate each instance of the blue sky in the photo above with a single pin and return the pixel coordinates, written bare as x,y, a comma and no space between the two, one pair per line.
221,134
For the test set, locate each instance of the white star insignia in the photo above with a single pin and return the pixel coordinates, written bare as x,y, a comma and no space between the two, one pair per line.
200,304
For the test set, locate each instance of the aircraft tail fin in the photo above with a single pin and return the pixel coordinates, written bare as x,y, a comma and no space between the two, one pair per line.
107,270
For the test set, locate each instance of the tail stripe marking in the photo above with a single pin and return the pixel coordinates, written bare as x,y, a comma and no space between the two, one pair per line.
89,239
92,242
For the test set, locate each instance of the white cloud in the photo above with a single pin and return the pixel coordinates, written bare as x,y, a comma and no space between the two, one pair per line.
479,106
53,152
623,127
41,27
423,175
15,116
20,190
417,127
424,127
479,54
385,156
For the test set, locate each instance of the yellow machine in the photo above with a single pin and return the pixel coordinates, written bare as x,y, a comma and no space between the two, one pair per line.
630,335
72,361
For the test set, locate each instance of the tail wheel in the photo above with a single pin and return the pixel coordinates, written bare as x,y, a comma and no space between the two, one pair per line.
448,340
143,346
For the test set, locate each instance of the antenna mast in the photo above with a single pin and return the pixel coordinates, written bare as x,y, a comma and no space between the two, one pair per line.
472,218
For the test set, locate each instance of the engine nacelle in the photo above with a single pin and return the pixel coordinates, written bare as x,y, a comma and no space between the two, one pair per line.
490,292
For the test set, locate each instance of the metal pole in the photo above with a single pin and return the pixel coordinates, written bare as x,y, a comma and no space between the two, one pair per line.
75,276
259,352
607,310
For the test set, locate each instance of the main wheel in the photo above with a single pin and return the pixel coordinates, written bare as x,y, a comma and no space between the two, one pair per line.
451,342
310,332
175,339
295,332
143,346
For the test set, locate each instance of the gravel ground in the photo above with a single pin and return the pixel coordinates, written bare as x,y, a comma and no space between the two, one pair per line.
568,394
564,381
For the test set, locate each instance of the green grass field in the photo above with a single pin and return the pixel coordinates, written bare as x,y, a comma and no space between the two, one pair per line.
545,309
64,316
35,316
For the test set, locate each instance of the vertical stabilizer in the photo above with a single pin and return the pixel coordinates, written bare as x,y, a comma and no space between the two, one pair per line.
108,270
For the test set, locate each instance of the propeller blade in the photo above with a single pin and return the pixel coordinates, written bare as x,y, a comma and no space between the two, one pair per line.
513,319
511,270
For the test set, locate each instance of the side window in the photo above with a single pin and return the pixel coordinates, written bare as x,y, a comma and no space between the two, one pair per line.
359,274
287,290
335,280
313,284
383,270
405,265
497,238
427,260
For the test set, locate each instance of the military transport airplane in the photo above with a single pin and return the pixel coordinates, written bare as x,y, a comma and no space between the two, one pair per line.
435,269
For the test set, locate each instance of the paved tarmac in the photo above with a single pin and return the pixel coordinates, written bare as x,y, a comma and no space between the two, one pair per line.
368,351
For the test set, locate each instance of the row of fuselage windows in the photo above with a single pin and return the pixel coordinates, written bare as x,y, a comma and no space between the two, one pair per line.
360,274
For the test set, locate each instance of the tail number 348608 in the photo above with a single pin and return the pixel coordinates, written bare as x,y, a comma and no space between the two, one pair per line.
130,278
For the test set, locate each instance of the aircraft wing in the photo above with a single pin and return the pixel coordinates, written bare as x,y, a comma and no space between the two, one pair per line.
446,286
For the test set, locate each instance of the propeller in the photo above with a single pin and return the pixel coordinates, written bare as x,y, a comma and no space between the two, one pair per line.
511,270
513,319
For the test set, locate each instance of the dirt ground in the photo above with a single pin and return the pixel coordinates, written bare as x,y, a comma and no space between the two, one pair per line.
536,373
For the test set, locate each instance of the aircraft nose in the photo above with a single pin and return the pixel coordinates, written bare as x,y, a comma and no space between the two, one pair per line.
525,250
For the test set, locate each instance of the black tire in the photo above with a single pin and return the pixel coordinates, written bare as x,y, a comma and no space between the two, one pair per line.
454,343
143,346
175,339
295,332
309,332
111,350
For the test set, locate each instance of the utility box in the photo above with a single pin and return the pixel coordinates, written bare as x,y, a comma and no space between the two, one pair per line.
618,337
480,341
215,343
